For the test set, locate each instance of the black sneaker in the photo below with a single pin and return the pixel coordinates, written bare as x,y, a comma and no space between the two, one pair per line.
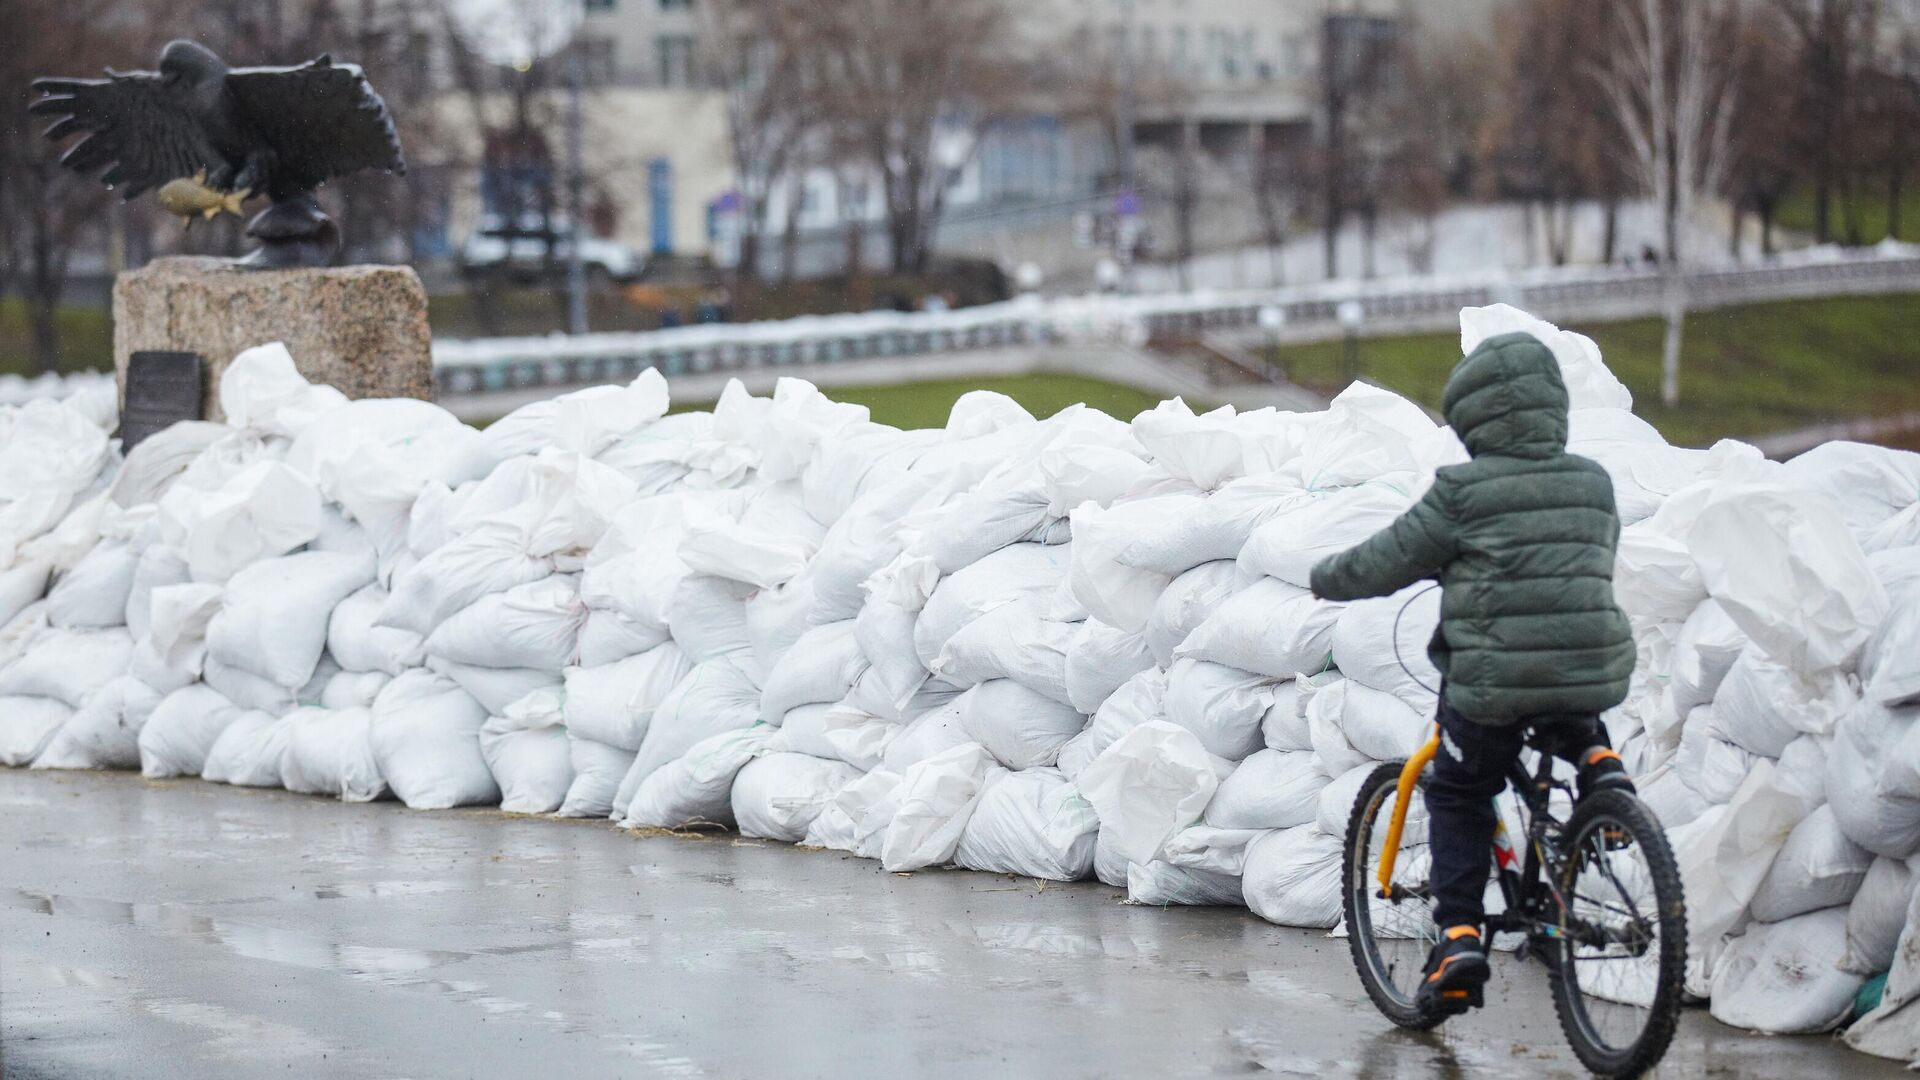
1602,770
1456,974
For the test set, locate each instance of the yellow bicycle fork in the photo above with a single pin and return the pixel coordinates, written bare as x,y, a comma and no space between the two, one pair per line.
1409,776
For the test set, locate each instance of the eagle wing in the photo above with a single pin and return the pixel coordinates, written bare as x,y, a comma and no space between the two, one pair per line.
321,120
138,128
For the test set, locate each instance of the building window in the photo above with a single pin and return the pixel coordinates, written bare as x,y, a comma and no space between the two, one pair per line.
602,5
675,55
676,5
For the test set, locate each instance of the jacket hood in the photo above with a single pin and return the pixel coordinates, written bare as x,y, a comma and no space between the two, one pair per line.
1507,398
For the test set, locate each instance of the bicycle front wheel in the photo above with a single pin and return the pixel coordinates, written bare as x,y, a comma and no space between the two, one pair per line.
1390,935
1622,939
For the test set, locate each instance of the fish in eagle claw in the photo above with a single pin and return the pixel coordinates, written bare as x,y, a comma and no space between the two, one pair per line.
190,197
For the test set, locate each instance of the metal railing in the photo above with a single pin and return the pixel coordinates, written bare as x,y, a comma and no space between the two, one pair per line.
487,365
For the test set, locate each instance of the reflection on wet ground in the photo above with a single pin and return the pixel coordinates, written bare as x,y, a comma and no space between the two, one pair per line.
155,929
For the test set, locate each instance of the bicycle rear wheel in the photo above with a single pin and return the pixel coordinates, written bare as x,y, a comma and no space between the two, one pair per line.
1389,938
1621,944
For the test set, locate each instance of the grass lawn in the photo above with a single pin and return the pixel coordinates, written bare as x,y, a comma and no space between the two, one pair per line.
1797,211
1744,371
86,338
926,404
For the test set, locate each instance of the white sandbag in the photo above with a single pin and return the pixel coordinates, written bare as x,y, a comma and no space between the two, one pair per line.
262,391
1154,781
1032,823
1284,725
1203,847
275,618
526,750
1781,562
183,727
1818,867
358,644
1333,809
535,625
1382,643
864,539
1780,978
776,797
1271,789
1101,658
1669,797
1013,641
1877,489
856,819
104,733
1381,726
489,558
1209,529
586,421
715,696
708,617
1334,519
1877,915
68,665
932,803
1112,591
1000,578
733,549
607,636
1708,763
1293,877
28,725
264,510
425,738
494,688
1162,884
1890,660
1724,855
1221,705
1109,866
247,690
1137,701
20,585
1021,728
1871,810
1270,627
248,752
1590,385
933,732
330,752
1890,1029
1186,603
353,689
1655,575
94,592
1705,651
598,770
820,668
615,703
838,732
1762,705
697,787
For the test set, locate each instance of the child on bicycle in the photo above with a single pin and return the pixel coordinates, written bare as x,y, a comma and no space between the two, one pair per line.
1521,539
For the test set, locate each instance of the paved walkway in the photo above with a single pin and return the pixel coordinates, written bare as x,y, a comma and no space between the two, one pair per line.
186,929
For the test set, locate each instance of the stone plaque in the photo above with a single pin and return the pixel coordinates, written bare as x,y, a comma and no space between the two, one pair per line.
163,388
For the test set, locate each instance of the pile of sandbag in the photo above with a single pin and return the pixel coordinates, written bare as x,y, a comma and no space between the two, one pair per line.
1074,647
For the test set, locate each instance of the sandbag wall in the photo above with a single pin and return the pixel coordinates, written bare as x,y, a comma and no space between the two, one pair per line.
1069,648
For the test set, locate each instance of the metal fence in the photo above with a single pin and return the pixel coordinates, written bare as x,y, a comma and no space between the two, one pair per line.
487,366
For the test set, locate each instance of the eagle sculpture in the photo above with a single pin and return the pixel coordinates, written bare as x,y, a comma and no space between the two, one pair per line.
274,131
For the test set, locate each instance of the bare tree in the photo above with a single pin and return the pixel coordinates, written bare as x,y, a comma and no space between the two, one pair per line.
1356,52
1766,158
916,83
751,50
1833,38
1666,79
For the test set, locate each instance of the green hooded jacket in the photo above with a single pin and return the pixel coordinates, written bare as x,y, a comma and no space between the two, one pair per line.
1522,540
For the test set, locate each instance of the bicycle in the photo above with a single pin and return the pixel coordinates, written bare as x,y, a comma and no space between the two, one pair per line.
1596,897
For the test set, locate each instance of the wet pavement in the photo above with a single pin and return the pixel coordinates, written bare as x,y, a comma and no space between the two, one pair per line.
180,928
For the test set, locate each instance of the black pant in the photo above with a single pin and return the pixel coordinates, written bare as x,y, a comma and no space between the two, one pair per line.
1470,770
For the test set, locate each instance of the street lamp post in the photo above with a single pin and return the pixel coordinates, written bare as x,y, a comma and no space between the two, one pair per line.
576,193
1273,319
1351,314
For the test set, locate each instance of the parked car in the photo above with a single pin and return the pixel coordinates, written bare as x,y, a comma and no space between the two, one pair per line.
519,249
